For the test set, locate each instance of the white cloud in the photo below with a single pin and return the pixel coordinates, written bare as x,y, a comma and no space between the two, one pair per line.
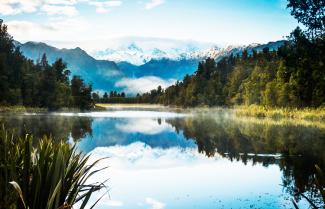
137,169
59,10
63,2
144,126
51,7
13,7
125,114
111,203
143,84
105,6
105,200
55,29
106,3
27,29
111,73
7,9
155,204
139,156
154,3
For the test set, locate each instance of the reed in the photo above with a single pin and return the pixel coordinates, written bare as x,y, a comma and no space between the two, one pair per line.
311,114
21,109
47,175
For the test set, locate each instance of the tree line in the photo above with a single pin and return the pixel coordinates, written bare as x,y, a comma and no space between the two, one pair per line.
291,76
38,85
112,97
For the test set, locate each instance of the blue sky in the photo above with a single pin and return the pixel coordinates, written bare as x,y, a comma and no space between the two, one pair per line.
217,21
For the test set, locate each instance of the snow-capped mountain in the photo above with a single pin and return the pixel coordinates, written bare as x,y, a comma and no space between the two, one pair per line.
137,63
217,53
139,51
136,54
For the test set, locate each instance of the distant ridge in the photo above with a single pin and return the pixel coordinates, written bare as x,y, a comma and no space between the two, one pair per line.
104,74
101,73
135,54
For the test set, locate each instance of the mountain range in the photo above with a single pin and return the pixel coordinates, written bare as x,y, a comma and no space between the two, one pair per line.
129,67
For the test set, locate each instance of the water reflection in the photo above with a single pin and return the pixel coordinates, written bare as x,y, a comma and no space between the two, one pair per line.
301,146
61,128
192,155
183,178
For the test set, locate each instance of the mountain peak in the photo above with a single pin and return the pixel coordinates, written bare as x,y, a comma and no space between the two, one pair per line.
79,50
35,43
134,47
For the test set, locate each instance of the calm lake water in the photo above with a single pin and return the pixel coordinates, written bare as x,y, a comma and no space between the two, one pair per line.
160,158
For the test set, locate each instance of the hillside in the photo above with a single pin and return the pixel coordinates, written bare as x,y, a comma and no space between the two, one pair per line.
104,72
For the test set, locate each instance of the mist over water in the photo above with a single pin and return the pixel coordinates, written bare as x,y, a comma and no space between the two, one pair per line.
159,158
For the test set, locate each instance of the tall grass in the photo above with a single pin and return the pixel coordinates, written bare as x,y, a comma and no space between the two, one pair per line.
311,114
48,175
21,109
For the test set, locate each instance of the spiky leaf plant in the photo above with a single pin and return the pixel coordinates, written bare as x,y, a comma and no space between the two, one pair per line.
49,175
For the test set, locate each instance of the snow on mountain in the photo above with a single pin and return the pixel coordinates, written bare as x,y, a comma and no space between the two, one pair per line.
214,52
138,53
217,53
157,62
135,55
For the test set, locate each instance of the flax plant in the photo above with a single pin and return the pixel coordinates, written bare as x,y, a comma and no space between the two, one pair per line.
47,175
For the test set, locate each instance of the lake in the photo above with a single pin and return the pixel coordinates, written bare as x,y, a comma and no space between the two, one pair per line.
168,158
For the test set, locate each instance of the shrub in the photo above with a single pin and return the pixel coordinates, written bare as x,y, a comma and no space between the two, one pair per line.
48,175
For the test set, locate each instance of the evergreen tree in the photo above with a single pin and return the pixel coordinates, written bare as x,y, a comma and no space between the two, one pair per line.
81,93
41,85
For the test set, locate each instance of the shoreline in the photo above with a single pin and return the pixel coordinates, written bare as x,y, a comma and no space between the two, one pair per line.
307,114
23,109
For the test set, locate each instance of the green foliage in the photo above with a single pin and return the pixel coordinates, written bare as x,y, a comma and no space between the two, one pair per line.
81,93
50,175
311,13
292,76
300,143
305,114
35,85
114,97
21,109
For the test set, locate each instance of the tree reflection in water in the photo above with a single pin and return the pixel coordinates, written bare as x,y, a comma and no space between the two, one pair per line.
61,128
292,145
295,147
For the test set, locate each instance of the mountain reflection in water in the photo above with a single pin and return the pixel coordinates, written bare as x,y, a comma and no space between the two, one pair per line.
171,144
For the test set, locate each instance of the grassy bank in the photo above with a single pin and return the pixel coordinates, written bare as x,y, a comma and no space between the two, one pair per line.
309,114
122,105
21,109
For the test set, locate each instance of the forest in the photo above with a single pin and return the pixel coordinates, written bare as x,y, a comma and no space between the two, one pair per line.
38,85
292,76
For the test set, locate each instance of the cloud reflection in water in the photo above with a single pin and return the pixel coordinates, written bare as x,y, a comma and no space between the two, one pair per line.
144,126
183,178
